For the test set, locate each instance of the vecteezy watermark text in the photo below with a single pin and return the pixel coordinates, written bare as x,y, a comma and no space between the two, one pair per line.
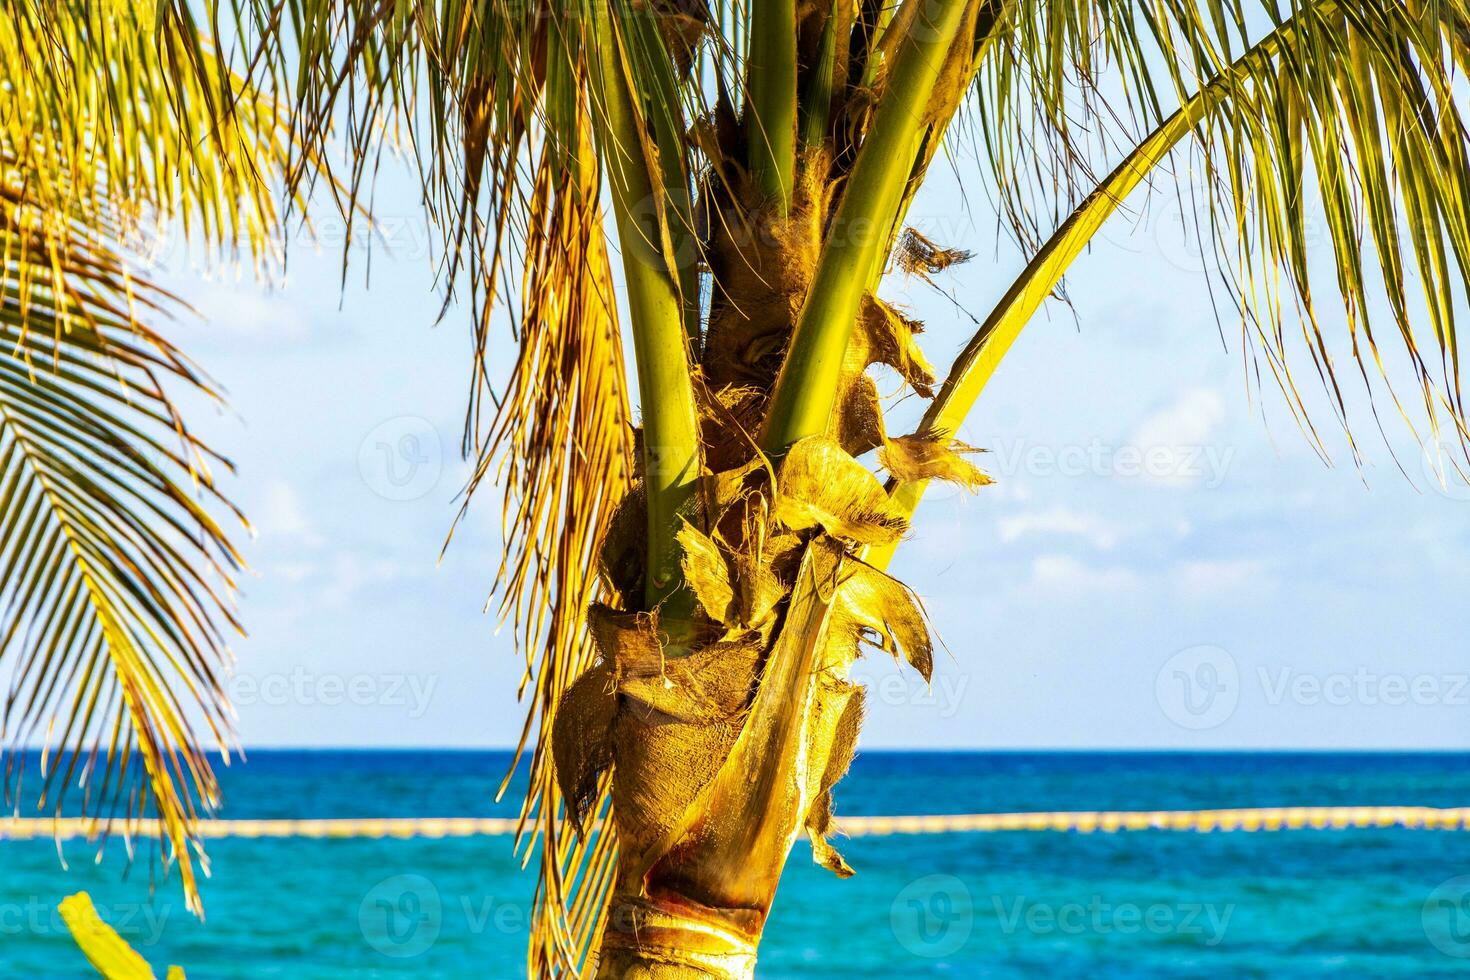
140,923
1200,687
902,688
1097,916
299,686
935,916
1204,465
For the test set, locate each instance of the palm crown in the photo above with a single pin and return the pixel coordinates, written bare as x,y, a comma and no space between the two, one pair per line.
750,166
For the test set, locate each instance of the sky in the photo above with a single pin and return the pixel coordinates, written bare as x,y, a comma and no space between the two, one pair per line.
1162,562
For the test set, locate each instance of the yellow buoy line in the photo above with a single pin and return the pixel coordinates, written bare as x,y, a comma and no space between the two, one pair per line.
1105,821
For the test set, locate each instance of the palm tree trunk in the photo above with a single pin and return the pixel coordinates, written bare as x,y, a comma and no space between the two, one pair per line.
676,939
722,758
724,734
698,908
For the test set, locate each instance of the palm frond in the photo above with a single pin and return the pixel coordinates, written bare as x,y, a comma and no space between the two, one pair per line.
108,952
127,110
116,573
117,122
560,447
492,103
1356,106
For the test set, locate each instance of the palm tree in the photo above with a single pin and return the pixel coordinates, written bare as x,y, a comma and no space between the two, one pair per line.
690,591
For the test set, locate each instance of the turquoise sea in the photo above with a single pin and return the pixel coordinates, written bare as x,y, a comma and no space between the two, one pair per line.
1143,904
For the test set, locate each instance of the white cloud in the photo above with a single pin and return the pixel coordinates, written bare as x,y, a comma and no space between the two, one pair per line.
281,515
1177,441
294,571
1067,575
338,580
1012,489
349,575
1207,579
234,312
1059,520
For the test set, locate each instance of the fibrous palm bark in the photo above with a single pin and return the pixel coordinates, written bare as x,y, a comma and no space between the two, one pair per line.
722,757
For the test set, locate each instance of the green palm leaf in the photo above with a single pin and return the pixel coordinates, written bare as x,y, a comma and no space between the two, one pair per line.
1352,103
116,572
116,567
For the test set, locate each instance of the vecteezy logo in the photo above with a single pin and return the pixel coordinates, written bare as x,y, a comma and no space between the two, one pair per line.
400,916
1179,239
401,459
1446,917
932,916
1198,687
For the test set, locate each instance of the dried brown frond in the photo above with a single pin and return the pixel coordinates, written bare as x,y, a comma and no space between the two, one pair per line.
818,823
872,605
581,742
707,572
858,419
561,447
917,254
913,458
886,336
820,485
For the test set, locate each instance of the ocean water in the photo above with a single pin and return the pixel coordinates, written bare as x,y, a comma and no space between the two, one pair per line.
1144,904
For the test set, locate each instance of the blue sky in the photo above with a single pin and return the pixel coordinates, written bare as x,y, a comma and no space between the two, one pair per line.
1162,562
